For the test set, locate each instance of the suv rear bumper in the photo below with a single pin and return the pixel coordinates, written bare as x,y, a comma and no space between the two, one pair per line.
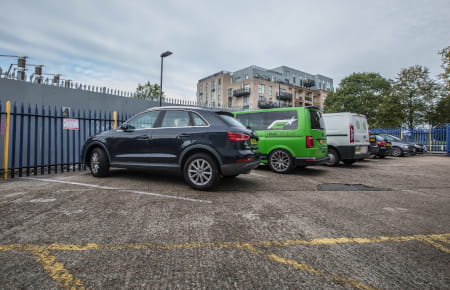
306,161
239,168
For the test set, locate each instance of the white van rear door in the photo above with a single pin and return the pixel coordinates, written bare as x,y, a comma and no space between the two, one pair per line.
361,130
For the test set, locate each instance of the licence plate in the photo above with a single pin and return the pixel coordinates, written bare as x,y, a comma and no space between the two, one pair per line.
322,141
388,144
253,141
372,139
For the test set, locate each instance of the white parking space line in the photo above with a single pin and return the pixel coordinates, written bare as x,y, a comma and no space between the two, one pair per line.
259,175
119,189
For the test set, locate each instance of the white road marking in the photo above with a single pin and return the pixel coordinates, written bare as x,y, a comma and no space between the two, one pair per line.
43,200
259,175
15,194
394,209
116,188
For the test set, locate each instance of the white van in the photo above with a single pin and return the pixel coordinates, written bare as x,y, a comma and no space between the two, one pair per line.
347,137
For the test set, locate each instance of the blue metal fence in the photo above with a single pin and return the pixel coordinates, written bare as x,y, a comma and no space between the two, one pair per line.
435,138
40,144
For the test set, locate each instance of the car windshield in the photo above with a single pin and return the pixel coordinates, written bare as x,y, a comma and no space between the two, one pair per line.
231,121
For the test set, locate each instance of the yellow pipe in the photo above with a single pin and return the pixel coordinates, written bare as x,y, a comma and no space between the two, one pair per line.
114,120
6,140
429,148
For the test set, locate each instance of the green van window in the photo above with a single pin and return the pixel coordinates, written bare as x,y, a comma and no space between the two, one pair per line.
281,120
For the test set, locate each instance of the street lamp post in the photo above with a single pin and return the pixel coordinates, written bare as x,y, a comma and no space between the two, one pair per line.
163,55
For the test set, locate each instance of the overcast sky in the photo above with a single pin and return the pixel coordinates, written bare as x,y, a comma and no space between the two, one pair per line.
118,43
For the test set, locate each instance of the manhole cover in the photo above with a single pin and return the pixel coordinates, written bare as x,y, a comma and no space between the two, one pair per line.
347,187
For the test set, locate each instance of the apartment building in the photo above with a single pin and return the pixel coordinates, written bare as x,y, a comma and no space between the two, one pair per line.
259,88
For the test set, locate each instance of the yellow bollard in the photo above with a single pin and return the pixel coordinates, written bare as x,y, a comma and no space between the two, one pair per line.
114,120
6,140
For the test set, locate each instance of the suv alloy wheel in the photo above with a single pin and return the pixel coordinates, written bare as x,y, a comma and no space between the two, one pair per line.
201,171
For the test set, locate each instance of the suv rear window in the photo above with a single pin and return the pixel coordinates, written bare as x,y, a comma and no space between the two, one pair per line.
231,121
316,120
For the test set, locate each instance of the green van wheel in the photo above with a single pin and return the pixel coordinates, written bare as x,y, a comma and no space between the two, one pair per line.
281,161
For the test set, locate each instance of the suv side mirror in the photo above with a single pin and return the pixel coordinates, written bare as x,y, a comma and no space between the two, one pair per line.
124,127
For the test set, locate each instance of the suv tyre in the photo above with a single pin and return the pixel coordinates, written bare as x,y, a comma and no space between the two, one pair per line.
201,171
98,163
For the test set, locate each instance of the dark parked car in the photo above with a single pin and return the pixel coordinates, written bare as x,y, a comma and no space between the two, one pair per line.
373,147
399,147
203,145
384,146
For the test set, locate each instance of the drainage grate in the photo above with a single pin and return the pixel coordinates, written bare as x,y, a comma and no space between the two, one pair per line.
348,187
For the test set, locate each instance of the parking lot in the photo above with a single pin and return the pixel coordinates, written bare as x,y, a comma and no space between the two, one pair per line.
375,224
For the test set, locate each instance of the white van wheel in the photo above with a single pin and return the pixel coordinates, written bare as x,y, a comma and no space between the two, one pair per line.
334,158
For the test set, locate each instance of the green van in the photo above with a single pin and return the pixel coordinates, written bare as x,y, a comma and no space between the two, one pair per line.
288,137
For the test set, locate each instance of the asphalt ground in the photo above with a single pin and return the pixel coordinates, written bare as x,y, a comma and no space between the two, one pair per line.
389,229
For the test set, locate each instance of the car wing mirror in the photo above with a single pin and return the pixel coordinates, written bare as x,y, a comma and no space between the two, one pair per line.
123,127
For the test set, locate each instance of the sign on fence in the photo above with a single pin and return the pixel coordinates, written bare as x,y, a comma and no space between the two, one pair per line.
71,124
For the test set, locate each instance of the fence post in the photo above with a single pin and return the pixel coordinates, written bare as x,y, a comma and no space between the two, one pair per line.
6,140
447,139
115,120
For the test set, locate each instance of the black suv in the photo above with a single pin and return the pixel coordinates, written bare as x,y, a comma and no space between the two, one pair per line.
203,145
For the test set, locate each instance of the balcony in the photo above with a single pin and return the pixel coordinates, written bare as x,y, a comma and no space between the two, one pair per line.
267,105
241,92
308,83
308,99
284,96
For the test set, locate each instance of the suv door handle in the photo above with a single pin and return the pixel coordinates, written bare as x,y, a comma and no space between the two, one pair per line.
183,136
143,137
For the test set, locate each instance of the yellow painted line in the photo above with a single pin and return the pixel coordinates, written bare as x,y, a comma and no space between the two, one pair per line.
436,245
144,246
309,269
55,269
6,140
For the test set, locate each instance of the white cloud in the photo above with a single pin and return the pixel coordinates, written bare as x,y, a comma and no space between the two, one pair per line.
118,43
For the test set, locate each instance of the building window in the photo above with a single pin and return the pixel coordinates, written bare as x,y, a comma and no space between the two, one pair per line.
293,79
230,102
246,77
270,90
213,85
247,87
261,99
261,89
230,92
246,101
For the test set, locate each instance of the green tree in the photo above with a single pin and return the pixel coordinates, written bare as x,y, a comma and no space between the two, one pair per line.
416,95
148,92
360,93
445,76
390,115
441,115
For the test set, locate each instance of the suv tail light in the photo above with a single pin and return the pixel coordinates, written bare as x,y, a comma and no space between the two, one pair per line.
352,134
309,142
232,136
381,143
